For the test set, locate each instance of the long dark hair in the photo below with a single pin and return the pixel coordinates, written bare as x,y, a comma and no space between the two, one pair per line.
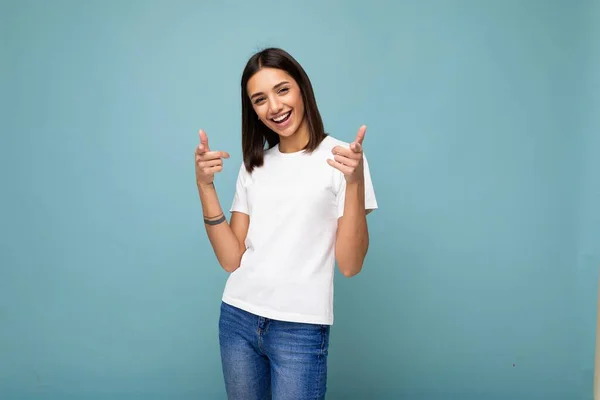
255,134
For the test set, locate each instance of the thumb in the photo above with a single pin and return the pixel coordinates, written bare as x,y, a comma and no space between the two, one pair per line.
356,147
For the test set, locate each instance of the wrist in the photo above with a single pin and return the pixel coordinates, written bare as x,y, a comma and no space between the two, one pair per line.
355,190
354,203
205,186
357,182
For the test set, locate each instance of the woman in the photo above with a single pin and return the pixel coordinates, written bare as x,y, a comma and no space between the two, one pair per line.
292,217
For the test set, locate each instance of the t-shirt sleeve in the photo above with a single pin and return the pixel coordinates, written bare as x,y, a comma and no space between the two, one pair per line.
240,199
370,199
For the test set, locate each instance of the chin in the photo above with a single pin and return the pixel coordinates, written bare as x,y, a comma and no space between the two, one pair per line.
288,131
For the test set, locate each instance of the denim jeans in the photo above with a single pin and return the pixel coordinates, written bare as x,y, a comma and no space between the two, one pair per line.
269,359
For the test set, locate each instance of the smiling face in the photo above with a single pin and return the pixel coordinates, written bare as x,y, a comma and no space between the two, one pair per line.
277,100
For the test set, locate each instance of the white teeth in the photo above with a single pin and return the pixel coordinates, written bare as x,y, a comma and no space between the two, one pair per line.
281,117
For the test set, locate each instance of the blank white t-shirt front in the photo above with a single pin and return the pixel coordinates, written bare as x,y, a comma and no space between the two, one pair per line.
293,201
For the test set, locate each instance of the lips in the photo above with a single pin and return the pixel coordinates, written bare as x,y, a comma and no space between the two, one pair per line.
282,118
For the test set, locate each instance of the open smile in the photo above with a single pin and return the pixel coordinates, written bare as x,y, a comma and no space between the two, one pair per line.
282,119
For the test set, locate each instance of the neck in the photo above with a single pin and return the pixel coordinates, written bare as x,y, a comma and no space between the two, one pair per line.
295,142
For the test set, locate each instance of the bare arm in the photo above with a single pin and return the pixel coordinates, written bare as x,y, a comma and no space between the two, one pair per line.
227,239
352,240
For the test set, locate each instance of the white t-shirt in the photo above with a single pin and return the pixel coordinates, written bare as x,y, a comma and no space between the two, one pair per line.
294,201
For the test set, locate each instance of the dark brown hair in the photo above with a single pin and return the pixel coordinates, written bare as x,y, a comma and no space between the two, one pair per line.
255,134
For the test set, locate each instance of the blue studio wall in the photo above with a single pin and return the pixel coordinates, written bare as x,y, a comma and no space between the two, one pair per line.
483,140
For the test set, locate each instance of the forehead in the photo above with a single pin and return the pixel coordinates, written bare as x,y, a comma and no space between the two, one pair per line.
266,78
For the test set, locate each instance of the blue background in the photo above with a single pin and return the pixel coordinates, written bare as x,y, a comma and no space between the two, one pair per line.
483,141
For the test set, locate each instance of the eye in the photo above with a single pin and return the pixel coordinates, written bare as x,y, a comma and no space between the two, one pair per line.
283,90
259,100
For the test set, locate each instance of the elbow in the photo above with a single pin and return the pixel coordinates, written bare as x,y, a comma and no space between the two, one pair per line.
229,268
350,264
349,273
231,263
350,269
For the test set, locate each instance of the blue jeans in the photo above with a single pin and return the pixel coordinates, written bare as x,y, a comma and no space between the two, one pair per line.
269,359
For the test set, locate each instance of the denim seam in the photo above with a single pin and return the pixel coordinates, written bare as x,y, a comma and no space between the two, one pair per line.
320,363
259,335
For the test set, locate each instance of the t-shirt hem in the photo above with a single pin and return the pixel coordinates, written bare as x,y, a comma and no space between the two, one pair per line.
275,315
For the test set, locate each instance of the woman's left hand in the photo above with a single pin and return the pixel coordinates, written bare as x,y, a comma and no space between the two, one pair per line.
350,160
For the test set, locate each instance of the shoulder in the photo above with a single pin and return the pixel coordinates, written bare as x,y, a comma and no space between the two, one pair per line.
329,142
327,145
243,174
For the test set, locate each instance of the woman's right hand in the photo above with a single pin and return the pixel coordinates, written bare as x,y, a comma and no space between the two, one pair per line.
207,162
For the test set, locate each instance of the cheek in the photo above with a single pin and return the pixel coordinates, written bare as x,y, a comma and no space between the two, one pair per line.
300,106
260,112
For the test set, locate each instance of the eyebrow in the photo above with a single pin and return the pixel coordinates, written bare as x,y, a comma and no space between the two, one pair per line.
274,87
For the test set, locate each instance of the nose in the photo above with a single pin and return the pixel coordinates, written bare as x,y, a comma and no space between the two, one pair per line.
275,105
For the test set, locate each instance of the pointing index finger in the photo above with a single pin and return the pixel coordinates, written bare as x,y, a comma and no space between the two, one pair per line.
360,136
356,146
204,140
